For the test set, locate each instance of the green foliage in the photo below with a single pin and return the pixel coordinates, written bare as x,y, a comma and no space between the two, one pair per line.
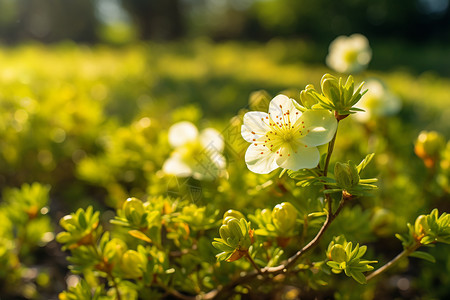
427,229
26,228
343,257
82,228
347,178
236,237
93,122
82,291
336,95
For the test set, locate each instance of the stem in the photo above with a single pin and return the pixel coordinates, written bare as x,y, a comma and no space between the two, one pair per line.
257,268
325,168
330,151
316,239
116,287
396,259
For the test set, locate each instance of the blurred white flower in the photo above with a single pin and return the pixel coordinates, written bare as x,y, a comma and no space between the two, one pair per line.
196,154
377,102
349,54
285,137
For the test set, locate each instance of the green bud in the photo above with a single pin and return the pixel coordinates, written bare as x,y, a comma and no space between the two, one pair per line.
284,218
114,249
339,96
330,88
338,253
132,264
307,97
68,222
236,233
133,209
266,215
421,226
346,175
233,214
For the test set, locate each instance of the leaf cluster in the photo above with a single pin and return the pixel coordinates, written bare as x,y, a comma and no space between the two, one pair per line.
236,237
347,178
344,257
336,95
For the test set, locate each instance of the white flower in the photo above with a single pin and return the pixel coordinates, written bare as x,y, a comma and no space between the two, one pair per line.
196,154
285,137
349,54
377,102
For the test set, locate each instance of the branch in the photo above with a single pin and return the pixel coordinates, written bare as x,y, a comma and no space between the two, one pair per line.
396,259
116,287
257,268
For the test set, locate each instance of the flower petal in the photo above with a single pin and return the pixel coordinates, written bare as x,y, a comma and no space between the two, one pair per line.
211,139
282,109
175,166
320,126
254,125
304,157
181,133
260,160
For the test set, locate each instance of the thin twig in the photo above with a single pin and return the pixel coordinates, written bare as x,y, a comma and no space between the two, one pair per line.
250,259
396,259
330,151
116,287
330,217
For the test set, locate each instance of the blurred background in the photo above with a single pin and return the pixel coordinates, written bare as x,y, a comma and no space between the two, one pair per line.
410,25
89,89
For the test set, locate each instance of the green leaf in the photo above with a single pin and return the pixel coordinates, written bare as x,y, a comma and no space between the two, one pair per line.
359,277
365,162
427,240
82,219
423,255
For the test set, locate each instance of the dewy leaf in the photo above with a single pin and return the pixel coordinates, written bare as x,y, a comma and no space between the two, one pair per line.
423,255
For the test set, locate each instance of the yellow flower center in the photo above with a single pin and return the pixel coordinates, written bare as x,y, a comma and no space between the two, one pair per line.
283,133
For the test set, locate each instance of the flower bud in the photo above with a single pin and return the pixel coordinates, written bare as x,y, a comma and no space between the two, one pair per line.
132,264
339,96
421,226
330,88
284,218
428,146
338,253
233,214
266,215
346,175
306,96
133,209
236,233
114,249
